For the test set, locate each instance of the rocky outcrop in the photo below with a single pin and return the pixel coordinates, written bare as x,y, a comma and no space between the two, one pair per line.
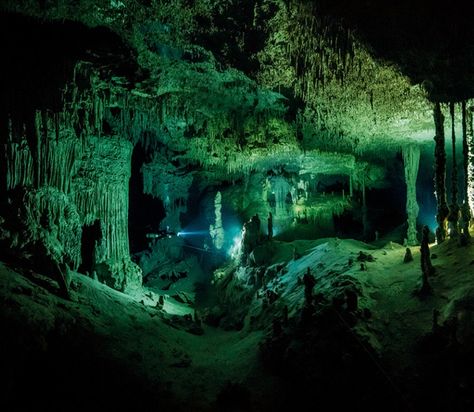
149,74
65,173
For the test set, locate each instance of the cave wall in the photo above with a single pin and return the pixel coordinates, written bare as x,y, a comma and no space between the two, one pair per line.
69,174
202,121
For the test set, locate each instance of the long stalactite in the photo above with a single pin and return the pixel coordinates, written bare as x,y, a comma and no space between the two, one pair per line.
470,159
440,174
466,213
411,160
453,216
465,151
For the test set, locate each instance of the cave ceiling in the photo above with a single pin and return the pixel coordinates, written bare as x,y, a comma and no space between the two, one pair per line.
260,84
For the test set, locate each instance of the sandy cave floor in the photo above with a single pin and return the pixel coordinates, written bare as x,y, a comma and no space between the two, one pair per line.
189,367
130,332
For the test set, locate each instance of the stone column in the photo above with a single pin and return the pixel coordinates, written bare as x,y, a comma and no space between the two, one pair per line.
440,174
465,152
470,159
453,216
216,230
411,159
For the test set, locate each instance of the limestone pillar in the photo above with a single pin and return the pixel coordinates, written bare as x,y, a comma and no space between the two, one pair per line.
440,174
411,160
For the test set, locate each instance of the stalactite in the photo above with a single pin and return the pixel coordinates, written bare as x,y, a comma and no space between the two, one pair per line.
107,203
468,178
440,174
19,165
470,161
465,152
216,230
280,187
332,46
55,166
411,159
72,177
101,193
453,216
53,219
36,149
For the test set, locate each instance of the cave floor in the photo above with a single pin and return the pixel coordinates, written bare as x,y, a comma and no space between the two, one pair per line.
173,366
114,343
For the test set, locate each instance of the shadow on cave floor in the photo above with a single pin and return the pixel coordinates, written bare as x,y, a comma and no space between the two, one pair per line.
106,349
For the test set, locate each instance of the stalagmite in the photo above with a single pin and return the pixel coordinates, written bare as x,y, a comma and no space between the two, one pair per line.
440,174
427,269
216,230
453,215
365,219
270,226
411,159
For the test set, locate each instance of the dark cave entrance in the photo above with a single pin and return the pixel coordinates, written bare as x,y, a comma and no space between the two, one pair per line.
145,212
42,54
91,236
332,184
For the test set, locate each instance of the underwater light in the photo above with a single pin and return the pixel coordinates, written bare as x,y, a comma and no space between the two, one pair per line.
236,247
194,233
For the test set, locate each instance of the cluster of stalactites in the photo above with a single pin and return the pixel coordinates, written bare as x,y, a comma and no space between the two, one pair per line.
449,217
65,163
100,191
320,49
53,218
45,158
43,146
85,100
163,180
109,205
289,200
68,152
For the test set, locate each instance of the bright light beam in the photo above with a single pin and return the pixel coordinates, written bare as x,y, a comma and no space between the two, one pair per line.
195,233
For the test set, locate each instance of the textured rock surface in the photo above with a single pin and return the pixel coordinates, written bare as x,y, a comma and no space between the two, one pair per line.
219,99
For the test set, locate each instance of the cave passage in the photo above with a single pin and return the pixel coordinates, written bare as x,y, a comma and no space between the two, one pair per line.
90,240
224,206
145,211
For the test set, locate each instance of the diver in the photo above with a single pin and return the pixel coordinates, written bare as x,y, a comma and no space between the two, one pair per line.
161,234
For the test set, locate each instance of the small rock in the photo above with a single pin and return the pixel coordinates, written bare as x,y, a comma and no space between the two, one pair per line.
365,257
408,256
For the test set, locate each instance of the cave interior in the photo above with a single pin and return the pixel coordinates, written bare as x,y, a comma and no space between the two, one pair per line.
254,205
